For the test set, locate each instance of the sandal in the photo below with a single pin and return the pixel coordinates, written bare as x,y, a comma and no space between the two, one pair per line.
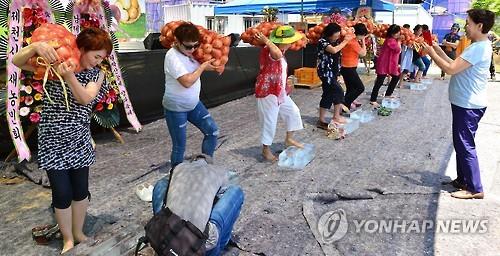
345,109
46,233
456,184
144,192
322,125
464,194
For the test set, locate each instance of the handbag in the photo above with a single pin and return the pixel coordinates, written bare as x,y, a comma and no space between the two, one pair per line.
170,235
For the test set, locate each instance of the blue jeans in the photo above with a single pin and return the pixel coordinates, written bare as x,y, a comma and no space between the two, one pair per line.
419,62
224,214
427,63
177,123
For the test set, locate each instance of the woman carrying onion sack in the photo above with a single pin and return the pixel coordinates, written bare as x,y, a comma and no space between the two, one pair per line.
181,99
64,143
350,55
329,47
272,89
387,63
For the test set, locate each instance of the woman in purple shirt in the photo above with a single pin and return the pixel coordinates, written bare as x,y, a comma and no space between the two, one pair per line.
387,63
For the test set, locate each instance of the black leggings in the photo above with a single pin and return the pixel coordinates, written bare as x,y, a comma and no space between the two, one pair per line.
68,185
378,83
332,93
354,85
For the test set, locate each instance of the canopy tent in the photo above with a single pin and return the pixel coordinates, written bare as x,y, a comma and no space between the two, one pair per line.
297,6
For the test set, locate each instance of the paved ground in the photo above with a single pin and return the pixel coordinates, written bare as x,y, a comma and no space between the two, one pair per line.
389,169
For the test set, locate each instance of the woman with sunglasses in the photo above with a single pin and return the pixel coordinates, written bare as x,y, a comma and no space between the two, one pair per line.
181,99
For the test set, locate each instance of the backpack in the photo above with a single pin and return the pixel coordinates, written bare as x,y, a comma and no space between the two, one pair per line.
170,235
167,232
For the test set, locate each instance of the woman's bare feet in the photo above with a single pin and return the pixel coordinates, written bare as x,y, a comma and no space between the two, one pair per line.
291,142
340,120
268,155
375,104
80,238
67,245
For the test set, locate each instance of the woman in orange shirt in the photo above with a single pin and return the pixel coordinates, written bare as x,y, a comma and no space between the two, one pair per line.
463,43
349,61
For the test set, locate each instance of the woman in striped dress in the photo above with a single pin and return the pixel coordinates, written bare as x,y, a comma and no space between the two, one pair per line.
65,150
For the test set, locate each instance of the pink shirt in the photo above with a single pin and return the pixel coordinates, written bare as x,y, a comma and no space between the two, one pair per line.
388,59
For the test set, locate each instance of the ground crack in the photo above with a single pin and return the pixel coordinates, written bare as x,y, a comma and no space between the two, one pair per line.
334,196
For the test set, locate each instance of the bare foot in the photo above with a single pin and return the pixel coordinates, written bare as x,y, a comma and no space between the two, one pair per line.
67,245
340,120
291,142
374,104
80,238
268,155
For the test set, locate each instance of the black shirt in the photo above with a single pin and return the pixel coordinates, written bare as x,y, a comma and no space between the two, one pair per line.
328,63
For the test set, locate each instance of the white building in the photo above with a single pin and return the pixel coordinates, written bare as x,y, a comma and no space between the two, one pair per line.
412,14
203,14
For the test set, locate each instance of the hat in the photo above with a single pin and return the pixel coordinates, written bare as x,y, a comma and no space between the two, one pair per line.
455,25
285,35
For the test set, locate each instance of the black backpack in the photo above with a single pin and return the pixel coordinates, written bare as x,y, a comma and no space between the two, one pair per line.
170,235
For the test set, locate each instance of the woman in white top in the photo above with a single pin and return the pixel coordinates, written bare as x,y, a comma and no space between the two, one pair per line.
467,94
182,94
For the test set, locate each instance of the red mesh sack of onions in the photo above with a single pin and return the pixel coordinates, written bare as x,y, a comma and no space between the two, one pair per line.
266,28
63,41
212,45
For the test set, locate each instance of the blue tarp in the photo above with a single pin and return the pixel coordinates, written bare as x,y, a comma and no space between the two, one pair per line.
456,10
295,6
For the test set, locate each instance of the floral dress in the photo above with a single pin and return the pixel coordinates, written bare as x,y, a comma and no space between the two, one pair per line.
64,140
328,66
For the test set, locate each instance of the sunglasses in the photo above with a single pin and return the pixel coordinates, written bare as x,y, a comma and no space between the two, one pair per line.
190,47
